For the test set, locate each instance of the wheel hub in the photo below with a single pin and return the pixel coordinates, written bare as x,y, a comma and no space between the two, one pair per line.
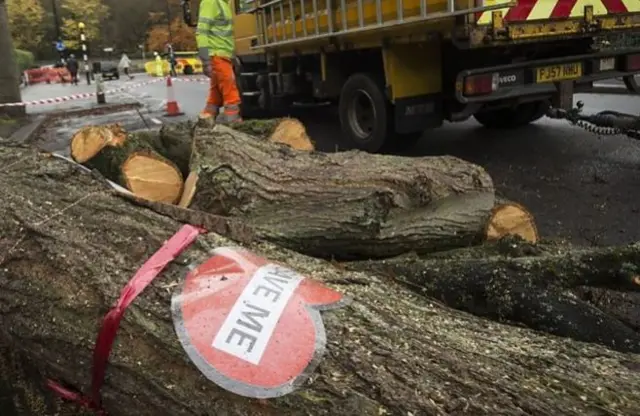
362,115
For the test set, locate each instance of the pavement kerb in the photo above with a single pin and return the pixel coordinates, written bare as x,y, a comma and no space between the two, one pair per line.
29,133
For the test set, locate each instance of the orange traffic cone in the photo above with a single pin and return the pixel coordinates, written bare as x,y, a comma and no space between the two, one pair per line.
172,105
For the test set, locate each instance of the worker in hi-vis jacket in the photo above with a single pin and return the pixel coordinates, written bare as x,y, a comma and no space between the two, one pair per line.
214,37
159,69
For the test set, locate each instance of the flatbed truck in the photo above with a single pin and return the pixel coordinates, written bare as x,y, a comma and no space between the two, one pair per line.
397,68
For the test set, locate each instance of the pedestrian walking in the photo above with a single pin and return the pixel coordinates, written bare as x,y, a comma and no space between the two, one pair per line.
125,63
214,37
172,61
72,67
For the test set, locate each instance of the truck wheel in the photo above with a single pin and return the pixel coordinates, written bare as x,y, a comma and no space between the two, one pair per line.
511,118
364,113
188,70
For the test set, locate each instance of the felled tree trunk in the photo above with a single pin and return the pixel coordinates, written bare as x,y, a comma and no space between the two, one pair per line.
514,281
174,141
69,246
349,204
623,306
137,164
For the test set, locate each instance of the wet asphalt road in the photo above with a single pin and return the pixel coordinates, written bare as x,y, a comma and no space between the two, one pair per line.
579,186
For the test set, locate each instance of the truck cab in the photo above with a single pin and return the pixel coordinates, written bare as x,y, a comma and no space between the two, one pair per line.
396,68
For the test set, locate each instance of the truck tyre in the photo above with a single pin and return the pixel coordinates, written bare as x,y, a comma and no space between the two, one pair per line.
188,70
365,113
511,118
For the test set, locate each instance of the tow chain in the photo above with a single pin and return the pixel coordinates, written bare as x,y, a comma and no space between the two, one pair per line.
604,123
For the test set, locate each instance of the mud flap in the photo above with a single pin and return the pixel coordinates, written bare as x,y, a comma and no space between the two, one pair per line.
417,114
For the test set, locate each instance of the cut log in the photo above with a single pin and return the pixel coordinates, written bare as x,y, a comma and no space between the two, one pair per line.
507,218
389,352
138,166
289,131
152,178
510,218
342,205
514,281
89,141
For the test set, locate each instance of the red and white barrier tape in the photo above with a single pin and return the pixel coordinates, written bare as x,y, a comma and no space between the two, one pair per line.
202,80
78,96
51,100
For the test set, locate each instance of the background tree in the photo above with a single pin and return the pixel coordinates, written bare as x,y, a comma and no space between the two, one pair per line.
183,37
90,12
128,22
26,21
9,78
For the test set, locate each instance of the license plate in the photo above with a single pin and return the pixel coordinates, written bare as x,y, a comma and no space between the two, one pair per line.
558,72
607,64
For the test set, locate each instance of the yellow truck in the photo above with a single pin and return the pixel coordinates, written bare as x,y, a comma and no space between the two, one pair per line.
396,68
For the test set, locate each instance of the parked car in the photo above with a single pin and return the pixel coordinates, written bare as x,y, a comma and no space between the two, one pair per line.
109,70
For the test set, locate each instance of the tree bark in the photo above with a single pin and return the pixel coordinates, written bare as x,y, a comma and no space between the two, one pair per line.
514,281
68,246
9,77
174,141
342,205
623,306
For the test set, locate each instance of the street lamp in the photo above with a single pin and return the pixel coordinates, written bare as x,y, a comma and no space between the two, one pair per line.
56,24
85,58
56,21
169,21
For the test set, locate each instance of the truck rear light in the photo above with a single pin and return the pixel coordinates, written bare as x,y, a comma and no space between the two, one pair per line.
480,84
633,63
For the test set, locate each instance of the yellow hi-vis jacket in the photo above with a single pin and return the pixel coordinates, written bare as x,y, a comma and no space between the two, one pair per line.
159,65
215,30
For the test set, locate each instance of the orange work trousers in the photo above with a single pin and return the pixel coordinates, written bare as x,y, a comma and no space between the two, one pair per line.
223,90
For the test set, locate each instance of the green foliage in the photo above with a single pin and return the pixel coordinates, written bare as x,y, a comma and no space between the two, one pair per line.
24,59
90,12
26,22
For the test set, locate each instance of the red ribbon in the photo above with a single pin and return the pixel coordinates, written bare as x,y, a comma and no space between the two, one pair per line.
107,335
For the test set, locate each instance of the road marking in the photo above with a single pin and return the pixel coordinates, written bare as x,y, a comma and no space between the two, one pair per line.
155,120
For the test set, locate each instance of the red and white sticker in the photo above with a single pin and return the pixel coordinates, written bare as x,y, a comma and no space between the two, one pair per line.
252,326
